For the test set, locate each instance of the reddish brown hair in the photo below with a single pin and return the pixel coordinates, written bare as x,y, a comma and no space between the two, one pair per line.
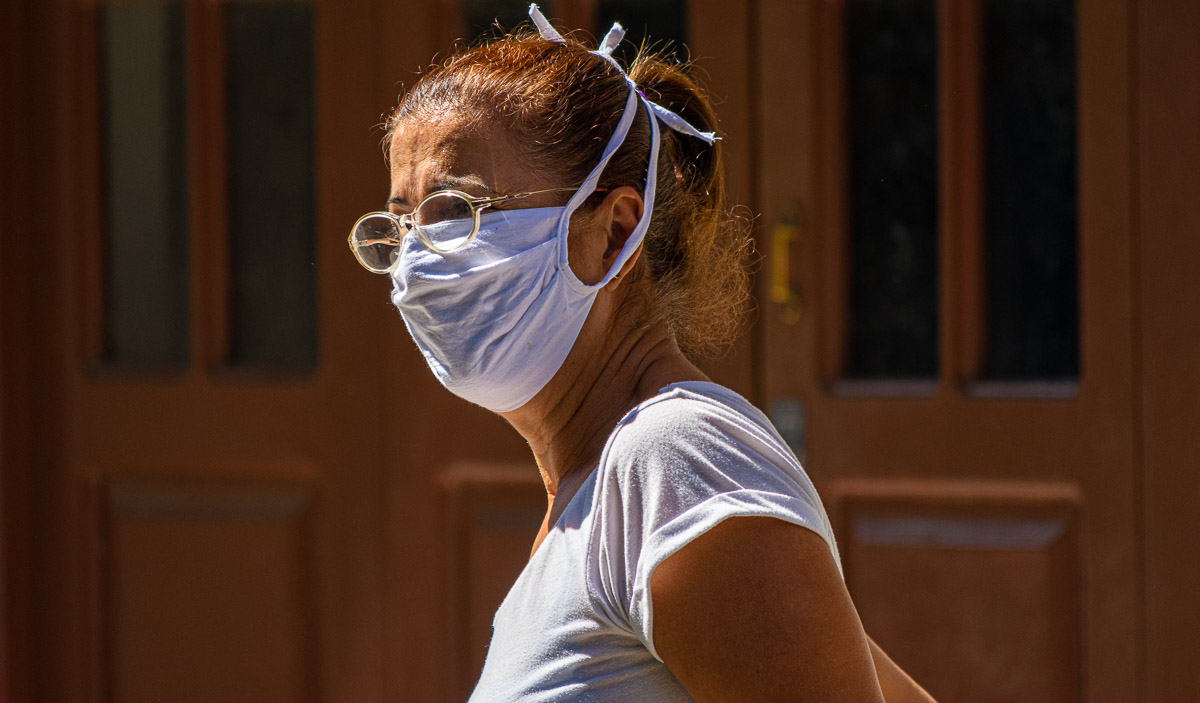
562,103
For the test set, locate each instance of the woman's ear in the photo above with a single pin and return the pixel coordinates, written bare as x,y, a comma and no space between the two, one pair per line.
620,213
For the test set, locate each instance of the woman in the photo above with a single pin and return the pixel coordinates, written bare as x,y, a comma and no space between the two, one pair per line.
559,252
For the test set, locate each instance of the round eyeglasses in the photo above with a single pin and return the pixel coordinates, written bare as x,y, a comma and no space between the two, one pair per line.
444,221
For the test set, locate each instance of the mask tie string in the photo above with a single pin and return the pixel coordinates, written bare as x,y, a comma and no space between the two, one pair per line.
605,50
548,32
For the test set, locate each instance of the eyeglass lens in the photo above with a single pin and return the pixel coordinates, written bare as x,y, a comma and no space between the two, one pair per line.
376,241
445,220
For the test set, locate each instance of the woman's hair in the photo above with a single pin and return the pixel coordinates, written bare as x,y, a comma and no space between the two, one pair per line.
562,103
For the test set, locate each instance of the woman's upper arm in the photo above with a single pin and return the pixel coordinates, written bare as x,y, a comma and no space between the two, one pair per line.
897,686
755,609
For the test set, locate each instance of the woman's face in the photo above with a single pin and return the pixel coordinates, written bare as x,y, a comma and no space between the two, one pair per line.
481,158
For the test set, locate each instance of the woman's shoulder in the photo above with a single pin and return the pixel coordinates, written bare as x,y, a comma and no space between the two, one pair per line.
676,466
697,432
688,412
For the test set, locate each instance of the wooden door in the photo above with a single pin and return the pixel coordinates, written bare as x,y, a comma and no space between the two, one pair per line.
207,461
982,499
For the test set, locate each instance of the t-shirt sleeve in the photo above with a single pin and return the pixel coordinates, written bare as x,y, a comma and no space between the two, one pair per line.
673,471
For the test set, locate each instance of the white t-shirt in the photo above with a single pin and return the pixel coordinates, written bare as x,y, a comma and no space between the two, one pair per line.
578,625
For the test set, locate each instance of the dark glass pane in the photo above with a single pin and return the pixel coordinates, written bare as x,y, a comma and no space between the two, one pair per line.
663,23
145,184
1031,215
494,17
892,119
271,226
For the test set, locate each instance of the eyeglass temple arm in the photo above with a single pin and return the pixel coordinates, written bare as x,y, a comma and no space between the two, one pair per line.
502,198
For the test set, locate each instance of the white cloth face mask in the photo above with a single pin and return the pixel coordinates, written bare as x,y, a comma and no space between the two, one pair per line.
495,319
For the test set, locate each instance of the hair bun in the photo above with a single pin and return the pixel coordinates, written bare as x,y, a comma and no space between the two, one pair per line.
668,84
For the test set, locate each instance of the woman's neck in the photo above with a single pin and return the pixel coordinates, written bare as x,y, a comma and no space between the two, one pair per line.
568,423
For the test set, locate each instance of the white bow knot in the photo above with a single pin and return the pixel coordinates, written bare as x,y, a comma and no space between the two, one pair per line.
605,50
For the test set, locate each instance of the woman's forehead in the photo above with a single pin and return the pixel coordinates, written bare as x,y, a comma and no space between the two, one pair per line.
426,155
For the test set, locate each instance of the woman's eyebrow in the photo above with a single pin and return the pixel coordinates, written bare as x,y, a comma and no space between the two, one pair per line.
459,182
449,183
